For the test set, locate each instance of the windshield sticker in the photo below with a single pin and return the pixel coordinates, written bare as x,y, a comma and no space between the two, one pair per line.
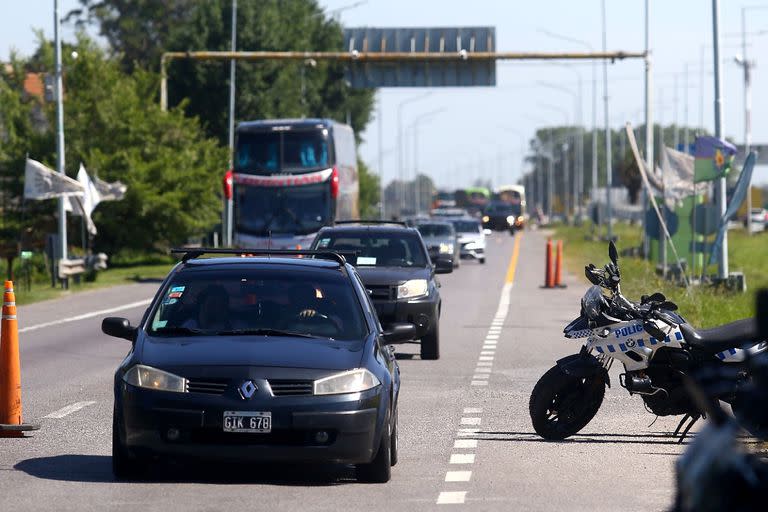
174,295
324,242
159,324
178,289
170,302
366,260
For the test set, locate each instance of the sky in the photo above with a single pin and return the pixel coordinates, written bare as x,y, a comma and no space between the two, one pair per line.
480,131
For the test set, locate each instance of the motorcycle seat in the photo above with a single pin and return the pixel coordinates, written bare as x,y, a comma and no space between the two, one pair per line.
733,335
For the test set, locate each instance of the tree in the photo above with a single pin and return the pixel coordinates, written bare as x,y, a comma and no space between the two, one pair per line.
114,126
369,191
139,31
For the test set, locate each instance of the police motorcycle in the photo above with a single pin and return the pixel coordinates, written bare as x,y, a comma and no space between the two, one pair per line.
716,472
656,346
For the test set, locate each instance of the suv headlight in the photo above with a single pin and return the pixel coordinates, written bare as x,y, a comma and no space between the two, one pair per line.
446,248
152,378
510,219
486,218
353,381
412,288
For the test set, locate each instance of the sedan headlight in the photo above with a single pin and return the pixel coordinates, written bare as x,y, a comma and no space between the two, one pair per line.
413,288
353,381
446,248
510,219
152,378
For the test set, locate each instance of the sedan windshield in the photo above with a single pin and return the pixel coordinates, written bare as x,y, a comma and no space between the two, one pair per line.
467,226
435,230
377,249
270,302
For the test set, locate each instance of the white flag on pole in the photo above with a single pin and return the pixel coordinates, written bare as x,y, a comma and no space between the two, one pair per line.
40,183
95,191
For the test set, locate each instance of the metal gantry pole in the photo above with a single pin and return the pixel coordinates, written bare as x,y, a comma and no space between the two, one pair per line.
608,156
60,130
720,185
229,203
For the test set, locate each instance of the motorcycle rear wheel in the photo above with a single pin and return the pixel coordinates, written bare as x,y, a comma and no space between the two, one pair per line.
561,404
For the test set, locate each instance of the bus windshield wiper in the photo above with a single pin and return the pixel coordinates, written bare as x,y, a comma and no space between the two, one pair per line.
267,332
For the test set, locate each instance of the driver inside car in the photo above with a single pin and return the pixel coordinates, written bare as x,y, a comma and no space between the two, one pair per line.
308,303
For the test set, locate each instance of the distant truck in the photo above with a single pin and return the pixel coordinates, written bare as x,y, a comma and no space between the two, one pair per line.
291,177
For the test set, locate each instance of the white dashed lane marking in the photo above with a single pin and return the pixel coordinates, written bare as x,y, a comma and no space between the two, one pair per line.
458,476
465,443
462,458
451,498
66,411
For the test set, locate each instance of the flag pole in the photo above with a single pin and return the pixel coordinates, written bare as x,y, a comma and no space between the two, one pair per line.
60,132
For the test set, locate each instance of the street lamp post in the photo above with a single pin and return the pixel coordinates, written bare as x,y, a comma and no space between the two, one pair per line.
60,131
747,66
579,144
428,116
228,202
400,153
564,113
608,156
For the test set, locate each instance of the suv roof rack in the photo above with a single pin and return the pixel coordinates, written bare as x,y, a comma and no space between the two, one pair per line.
190,253
372,221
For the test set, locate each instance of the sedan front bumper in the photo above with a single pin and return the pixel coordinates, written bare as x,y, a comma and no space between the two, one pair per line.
156,423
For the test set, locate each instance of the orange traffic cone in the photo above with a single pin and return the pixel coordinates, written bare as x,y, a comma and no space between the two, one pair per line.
10,371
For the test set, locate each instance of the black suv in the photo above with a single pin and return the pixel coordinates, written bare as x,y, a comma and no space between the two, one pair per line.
395,267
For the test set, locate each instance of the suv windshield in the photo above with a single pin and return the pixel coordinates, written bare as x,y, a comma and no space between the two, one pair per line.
467,226
435,230
503,209
278,151
270,301
394,249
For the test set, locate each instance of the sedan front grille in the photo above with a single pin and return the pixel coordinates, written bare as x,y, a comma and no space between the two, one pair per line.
291,387
207,386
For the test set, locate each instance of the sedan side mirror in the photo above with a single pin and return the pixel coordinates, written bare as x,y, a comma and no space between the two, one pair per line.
443,266
119,328
399,333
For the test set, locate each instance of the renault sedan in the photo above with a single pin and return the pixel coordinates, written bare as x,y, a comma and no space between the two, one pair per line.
258,357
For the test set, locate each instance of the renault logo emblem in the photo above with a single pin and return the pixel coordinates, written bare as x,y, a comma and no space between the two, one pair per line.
247,389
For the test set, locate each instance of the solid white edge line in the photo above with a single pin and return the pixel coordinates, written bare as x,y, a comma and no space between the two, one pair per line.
66,411
87,315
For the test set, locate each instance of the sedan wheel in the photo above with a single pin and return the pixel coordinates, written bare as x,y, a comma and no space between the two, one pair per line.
379,470
124,467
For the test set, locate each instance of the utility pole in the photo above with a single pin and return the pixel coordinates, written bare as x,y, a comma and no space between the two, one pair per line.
720,201
60,131
229,210
608,156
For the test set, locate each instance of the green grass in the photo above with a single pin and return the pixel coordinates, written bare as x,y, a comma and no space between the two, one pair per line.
106,278
703,306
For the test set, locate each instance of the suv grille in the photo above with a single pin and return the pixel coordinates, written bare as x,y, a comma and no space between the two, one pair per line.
381,291
207,386
291,387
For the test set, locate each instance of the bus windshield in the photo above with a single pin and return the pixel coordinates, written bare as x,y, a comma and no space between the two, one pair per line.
296,210
272,152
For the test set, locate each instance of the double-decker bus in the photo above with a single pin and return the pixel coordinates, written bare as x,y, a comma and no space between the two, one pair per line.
290,178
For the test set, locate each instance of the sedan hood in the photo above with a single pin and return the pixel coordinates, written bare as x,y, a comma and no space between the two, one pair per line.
251,351
391,275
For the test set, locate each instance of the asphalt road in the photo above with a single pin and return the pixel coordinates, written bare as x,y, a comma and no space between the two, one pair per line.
466,439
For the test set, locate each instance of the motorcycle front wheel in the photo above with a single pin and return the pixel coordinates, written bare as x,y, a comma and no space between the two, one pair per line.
561,404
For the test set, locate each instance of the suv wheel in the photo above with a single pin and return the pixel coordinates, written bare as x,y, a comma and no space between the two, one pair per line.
430,342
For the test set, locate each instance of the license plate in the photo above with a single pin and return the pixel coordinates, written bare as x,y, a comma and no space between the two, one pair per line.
248,421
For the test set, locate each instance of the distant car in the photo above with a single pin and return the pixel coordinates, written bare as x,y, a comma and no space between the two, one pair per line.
759,219
471,236
257,358
396,270
448,212
501,216
440,238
